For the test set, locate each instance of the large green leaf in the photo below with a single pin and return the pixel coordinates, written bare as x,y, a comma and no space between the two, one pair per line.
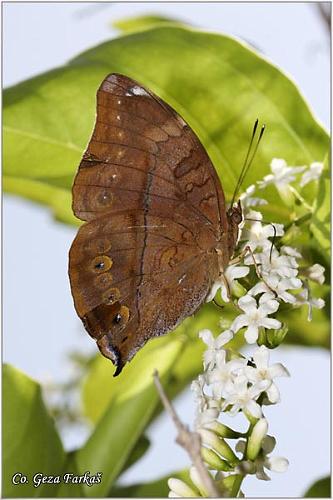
30,441
133,24
155,489
321,220
320,489
218,85
99,390
119,429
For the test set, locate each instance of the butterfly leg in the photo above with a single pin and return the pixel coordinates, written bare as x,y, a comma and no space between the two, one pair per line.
226,284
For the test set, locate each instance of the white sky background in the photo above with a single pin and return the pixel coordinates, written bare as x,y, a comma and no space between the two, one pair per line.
40,324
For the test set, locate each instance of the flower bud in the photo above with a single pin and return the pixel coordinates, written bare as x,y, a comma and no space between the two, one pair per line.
180,488
238,290
214,461
223,430
276,337
255,440
262,339
218,444
197,481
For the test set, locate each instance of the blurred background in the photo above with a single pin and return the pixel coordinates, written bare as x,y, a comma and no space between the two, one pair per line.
41,328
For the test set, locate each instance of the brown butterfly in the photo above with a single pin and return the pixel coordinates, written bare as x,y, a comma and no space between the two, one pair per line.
158,234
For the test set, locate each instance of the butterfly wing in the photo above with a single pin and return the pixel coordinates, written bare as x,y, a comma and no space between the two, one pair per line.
155,210
143,153
134,277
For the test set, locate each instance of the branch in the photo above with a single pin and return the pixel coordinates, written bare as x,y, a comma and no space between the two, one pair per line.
325,13
190,441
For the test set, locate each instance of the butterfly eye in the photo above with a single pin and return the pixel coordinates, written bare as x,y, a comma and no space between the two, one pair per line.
101,264
117,318
111,296
122,316
103,281
105,198
97,245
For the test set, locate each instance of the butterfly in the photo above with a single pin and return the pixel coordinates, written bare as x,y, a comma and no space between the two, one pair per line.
157,233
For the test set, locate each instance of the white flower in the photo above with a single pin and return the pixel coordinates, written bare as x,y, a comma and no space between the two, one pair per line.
312,174
279,286
281,176
248,201
243,397
207,415
316,273
271,262
257,235
257,467
275,464
266,373
214,345
200,397
292,252
223,375
226,281
305,298
255,316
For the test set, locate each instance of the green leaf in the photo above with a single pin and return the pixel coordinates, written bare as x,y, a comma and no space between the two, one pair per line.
109,447
154,489
132,24
216,83
99,390
30,441
57,198
321,219
320,489
137,452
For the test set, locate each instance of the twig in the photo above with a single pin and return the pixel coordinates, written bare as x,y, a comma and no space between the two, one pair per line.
324,9
190,441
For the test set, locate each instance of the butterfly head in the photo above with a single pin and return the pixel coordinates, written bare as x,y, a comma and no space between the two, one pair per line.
235,218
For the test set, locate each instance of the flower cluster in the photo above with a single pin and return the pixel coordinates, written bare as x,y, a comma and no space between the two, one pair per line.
266,276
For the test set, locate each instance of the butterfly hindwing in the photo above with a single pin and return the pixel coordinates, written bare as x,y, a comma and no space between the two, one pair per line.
134,277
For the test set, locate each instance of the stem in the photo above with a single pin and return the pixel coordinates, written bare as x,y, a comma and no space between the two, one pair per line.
300,198
236,486
190,441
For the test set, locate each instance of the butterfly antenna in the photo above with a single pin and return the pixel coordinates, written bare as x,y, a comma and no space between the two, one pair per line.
247,163
245,171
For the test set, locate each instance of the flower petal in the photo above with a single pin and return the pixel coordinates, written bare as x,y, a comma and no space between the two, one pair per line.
239,322
247,303
261,357
251,334
278,370
253,408
268,444
271,323
268,305
207,337
273,393
223,338
277,464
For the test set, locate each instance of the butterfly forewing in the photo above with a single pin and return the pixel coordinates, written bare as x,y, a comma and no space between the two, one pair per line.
155,208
